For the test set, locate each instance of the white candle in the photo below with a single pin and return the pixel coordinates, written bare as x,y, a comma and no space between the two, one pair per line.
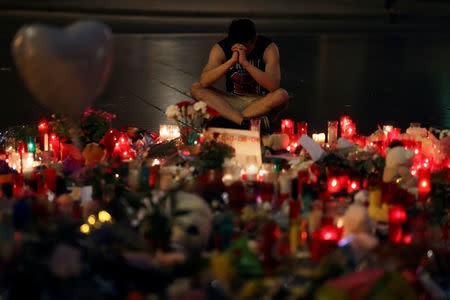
252,171
28,162
46,142
319,138
387,129
168,132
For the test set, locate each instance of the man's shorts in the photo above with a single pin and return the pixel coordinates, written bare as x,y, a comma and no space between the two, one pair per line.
240,103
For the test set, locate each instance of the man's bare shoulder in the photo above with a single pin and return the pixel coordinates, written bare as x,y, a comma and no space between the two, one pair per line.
217,52
271,52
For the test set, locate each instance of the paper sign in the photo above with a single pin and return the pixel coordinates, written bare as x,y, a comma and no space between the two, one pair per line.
247,144
313,148
86,193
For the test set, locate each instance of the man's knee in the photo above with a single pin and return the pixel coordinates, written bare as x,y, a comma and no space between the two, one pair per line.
281,97
195,90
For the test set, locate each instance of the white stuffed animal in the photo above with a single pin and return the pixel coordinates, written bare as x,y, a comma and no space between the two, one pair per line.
191,223
398,163
276,141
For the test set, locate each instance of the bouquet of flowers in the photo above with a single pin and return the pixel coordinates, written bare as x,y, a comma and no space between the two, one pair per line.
212,156
94,125
190,117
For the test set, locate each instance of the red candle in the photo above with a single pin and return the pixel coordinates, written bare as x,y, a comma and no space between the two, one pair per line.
397,216
122,148
393,134
343,182
353,185
323,241
407,239
153,176
287,126
302,128
424,184
271,234
345,121
348,128
329,234
54,145
50,178
334,185
302,177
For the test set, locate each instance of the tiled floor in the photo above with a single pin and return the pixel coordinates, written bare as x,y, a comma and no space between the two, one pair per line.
373,77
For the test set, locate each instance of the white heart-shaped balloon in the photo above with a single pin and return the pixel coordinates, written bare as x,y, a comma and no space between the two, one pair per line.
66,69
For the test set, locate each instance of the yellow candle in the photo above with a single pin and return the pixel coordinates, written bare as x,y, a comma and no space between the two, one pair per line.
319,138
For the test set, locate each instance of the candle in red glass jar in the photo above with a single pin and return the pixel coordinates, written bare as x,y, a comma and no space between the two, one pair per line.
348,128
397,217
345,121
353,185
343,182
424,184
271,234
287,126
43,135
351,130
329,234
393,134
302,128
50,178
153,175
323,241
334,185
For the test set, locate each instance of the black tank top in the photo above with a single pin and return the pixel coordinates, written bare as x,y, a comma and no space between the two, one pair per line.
238,80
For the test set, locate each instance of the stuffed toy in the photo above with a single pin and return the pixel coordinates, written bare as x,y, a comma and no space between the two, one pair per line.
398,163
93,153
276,141
445,146
191,222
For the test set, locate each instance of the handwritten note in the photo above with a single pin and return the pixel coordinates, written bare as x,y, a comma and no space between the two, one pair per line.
247,144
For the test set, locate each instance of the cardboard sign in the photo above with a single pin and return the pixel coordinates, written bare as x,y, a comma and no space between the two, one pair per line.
247,144
313,148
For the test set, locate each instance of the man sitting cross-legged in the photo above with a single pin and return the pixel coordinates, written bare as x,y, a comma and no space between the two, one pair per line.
250,64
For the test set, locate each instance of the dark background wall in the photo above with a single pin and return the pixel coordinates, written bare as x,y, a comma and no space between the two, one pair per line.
362,58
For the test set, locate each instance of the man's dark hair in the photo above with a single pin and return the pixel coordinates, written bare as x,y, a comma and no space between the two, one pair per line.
241,31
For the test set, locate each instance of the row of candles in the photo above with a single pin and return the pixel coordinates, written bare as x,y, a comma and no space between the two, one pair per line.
423,156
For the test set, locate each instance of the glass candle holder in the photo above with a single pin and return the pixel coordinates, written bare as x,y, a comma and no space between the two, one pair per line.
287,127
255,124
168,132
302,128
319,138
332,132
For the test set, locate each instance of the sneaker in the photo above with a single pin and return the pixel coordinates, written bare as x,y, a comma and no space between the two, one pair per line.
220,122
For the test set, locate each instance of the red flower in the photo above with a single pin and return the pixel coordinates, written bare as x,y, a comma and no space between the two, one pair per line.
184,104
212,112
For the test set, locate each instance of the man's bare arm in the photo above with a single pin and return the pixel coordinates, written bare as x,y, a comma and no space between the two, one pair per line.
270,77
216,66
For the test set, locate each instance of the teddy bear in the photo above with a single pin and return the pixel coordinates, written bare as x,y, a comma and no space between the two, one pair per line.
398,163
93,153
276,142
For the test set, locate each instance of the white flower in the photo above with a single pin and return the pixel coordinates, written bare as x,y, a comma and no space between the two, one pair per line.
200,106
172,112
